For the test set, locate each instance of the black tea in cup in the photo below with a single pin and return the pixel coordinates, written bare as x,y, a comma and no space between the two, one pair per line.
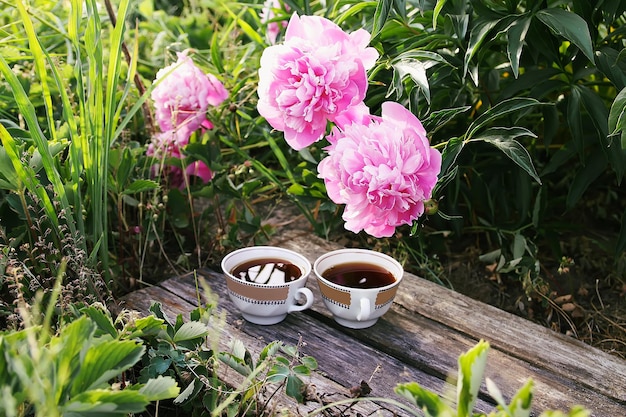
359,275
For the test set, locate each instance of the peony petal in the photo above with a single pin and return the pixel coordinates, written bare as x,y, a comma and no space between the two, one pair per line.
382,169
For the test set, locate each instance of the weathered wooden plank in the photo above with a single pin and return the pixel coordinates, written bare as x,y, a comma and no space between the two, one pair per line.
177,297
420,340
342,358
421,347
567,371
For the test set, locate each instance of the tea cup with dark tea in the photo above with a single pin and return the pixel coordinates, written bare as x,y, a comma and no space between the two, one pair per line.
357,285
267,282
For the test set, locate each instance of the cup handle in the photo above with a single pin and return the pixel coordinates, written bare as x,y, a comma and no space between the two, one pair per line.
364,313
308,294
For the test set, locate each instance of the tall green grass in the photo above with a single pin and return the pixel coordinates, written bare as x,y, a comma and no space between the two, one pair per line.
71,147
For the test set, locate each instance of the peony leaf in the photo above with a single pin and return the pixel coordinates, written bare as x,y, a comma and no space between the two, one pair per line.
595,165
437,11
504,139
383,8
477,37
617,117
516,35
570,26
513,105
437,119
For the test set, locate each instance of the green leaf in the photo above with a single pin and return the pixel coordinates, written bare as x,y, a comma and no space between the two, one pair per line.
513,105
190,330
595,165
145,326
269,351
439,118
400,8
414,64
99,403
155,308
105,361
478,35
245,26
610,61
24,172
437,11
381,14
617,116
570,26
310,362
424,399
187,392
471,370
55,148
102,319
516,35
72,339
8,175
450,154
140,186
295,388
574,120
503,138
596,108
520,405
216,57
278,373
236,363
353,10
301,370
160,388
496,394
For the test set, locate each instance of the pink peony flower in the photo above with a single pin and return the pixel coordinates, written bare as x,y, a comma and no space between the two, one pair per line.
267,14
201,170
316,75
169,145
382,171
183,95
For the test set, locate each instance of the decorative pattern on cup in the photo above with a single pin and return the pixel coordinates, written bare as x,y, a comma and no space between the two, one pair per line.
258,293
385,297
267,297
335,295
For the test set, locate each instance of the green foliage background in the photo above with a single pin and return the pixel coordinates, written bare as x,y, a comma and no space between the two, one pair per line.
525,99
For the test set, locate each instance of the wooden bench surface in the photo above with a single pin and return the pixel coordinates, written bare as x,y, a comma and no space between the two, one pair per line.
419,339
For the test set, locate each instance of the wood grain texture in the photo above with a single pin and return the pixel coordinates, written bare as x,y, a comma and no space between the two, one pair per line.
419,339
566,371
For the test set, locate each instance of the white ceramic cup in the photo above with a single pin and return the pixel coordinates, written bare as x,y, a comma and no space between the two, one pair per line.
271,302
357,308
